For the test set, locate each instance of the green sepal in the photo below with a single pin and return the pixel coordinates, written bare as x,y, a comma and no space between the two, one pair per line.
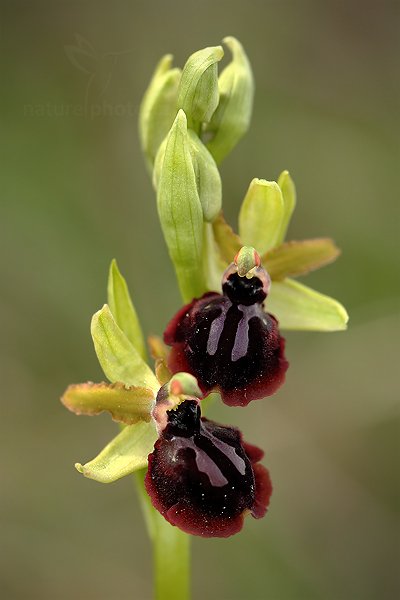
232,117
297,258
126,453
288,189
117,356
297,306
158,108
123,310
180,211
126,405
198,93
261,214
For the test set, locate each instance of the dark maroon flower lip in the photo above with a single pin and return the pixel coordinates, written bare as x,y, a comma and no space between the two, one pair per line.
228,342
203,478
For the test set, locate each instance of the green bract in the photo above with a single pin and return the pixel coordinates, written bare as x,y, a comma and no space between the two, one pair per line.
232,117
180,210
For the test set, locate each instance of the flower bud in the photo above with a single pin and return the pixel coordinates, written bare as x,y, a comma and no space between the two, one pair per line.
232,117
158,108
180,210
208,179
198,89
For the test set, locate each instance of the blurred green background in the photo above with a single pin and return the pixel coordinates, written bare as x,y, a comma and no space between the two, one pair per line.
75,193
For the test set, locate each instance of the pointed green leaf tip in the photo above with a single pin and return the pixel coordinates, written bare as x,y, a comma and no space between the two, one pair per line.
297,306
232,117
126,453
261,215
198,89
158,108
180,210
122,309
117,356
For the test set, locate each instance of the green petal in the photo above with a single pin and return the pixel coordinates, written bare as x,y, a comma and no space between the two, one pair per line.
122,309
198,89
297,306
261,214
158,108
126,453
232,118
228,242
180,210
117,356
298,258
288,189
127,405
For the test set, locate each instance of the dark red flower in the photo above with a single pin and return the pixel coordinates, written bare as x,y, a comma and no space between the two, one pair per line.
228,342
202,477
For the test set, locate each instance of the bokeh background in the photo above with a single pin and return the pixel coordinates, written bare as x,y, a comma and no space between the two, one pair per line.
75,193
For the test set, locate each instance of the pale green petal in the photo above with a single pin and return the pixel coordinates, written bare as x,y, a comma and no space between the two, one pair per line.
180,210
297,258
288,189
126,453
261,214
117,356
297,306
127,405
122,309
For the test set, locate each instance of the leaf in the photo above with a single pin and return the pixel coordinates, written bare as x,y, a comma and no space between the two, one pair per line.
232,117
227,240
158,108
122,309
117,356
261,215
288,189
297,306
127,405
126,453
180,211
198,89
297,258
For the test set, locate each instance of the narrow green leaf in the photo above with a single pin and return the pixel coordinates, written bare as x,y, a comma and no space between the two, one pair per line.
127,405
117,356
261,214
232,117
198,89
126,453
122,309
297,258
180,211
288,189
158,108
299,307
228,242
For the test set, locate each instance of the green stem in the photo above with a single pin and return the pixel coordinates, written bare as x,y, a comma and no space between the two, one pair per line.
171,550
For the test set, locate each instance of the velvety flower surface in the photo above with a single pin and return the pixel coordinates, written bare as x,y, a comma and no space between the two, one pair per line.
203,478
228,342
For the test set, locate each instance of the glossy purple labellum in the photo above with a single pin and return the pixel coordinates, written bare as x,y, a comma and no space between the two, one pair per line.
203,478
228,342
